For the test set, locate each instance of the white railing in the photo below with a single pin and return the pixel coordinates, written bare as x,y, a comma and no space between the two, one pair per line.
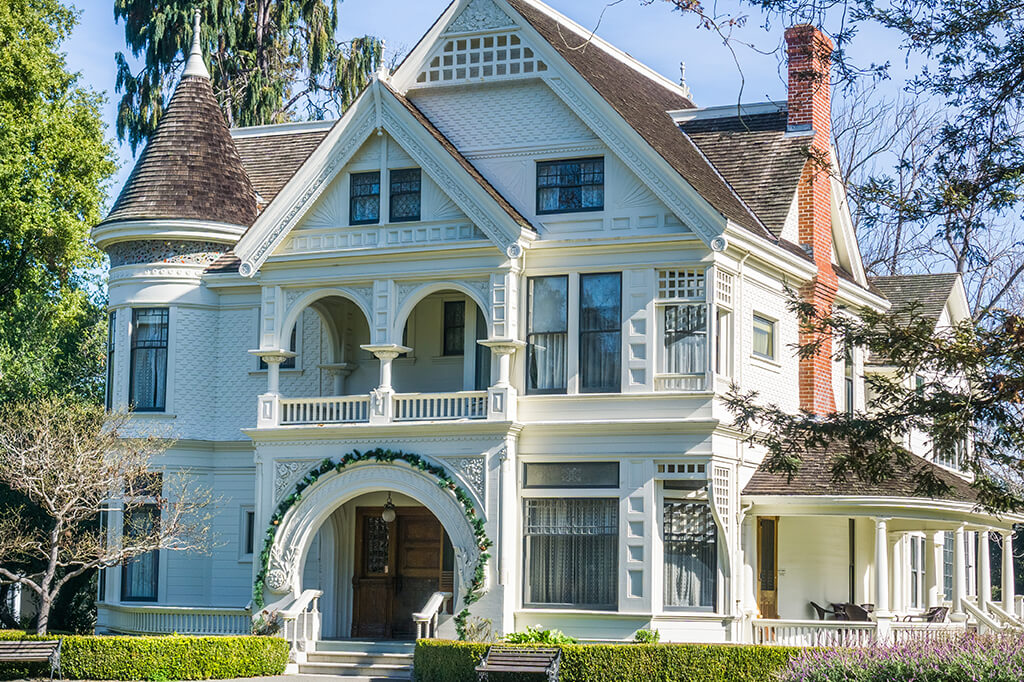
1008,619
842,633
986,623
184,620
426,620
680,382
300,622
906,631
438,406
331,410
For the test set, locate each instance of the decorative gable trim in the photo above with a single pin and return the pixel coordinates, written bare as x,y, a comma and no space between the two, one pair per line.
480,15
376,109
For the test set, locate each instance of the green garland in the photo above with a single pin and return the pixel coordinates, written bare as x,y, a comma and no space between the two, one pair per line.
474,590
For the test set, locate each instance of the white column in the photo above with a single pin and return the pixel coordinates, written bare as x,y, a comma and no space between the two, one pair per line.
269,404
959,574
338,372
984,570
501,397
882,607
933,570
1008,577
381,403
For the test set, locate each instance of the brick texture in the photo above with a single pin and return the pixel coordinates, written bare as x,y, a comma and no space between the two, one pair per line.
809,108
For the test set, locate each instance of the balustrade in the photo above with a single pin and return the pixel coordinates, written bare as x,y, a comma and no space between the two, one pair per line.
184,620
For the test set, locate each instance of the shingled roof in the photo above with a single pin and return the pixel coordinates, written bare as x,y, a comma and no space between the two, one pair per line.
644,103
271,159
930,292
814,477
756,158
190,169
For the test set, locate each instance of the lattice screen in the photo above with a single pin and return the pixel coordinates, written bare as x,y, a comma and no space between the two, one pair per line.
720,483
487,56
723,287
681,284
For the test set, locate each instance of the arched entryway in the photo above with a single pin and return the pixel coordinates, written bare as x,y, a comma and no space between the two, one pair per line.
374,574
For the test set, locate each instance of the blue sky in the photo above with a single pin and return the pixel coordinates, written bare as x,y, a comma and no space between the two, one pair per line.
650,32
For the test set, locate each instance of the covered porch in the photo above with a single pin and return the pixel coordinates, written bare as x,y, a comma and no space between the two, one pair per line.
852,570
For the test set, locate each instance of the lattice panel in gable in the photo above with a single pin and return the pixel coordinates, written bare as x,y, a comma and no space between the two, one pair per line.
482,57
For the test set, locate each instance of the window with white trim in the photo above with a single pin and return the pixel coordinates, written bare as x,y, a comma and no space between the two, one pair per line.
690,542
917,564
140,575
763,334
147,387
682,311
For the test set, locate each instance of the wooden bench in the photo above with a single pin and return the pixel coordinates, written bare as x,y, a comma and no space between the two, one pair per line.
520,659
32,651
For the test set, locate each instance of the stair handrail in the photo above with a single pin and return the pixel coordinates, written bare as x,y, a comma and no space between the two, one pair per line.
1007,618
426,620
980,616
300,623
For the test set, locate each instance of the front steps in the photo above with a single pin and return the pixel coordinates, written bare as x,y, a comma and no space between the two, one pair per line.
356,661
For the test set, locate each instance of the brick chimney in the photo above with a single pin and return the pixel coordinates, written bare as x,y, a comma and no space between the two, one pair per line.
809,52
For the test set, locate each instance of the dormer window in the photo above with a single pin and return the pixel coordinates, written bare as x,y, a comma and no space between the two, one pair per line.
570,185
364,198
405,195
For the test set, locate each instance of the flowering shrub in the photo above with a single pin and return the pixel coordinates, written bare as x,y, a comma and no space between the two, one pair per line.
964,658
536,635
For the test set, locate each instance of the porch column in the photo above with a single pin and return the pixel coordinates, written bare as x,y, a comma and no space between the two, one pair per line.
380,402
268,411
338,372
881,567
933,570
1008,577
959,574
501,397
984,570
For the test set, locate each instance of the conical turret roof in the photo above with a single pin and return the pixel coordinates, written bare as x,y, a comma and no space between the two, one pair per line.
190,169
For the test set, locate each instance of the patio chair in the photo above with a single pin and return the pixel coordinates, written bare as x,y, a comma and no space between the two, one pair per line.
821,611
855,612
839,611
936,614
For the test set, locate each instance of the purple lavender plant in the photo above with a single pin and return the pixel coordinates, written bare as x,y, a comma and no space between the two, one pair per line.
965,658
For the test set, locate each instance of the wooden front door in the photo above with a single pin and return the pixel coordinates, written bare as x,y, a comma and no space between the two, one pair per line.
398,566
768,566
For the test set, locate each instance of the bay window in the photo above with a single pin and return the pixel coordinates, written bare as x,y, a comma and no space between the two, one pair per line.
690,542
147,388
600,332
571,552
547,333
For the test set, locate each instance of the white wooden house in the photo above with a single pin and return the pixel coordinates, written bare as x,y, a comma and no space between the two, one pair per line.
533,263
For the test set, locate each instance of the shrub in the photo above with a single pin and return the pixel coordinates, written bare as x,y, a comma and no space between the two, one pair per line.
535,635
643,636
952,659
98,657
444,661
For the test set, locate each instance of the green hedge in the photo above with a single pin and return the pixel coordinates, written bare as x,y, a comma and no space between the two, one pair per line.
444,661
174,657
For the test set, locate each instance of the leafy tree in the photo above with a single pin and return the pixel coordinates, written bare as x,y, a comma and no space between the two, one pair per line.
270,60
972,392
70,461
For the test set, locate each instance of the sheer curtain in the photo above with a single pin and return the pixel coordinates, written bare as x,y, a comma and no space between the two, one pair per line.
139,574
600,333
149,358
686,346
547,334
691,555
571,552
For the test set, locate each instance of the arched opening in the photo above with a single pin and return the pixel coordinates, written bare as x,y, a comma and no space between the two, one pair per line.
376,573
326,333
442,328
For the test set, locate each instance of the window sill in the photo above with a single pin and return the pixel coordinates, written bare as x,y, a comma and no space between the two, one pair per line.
766,363
157,415
448,359
247,559
281,372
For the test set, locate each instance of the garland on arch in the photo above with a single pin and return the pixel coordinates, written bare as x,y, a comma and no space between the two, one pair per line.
475,589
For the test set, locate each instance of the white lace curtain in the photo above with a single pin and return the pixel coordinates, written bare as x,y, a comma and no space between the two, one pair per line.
691,555
685,334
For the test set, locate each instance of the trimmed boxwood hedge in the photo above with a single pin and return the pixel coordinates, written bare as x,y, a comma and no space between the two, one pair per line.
445,661
172,657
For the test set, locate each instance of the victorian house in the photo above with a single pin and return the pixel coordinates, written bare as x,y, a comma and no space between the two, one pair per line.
465,346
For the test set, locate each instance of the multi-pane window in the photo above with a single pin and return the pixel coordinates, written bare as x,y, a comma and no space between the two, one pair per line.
600,332
111,339
249,530
691,555
454,328
571,557
848,375
548,331
364,198
952,456
140,574
682,309
405,195
917,563
764,337
148,376
570,185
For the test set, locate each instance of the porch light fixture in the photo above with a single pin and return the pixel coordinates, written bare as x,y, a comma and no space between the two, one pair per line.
389,510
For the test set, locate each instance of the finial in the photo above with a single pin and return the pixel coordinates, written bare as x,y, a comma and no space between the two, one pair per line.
195,65
682,80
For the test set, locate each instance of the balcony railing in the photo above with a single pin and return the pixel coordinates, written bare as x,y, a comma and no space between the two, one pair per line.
333,410
163,620
440,406
844,633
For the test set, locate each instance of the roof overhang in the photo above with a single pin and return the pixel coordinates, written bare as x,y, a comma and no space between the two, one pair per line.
108,233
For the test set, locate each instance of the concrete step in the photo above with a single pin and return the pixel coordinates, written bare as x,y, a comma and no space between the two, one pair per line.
359,661
348,645
360,657
347,671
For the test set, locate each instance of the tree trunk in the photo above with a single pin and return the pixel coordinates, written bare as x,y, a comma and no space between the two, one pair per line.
45,604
